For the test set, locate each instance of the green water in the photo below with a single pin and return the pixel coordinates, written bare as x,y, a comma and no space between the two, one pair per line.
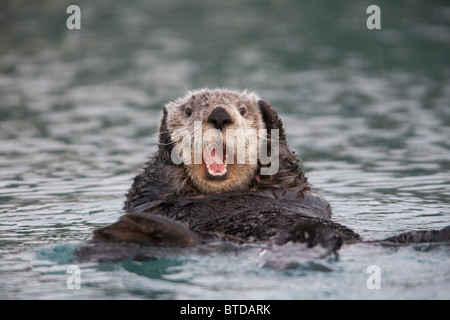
368,112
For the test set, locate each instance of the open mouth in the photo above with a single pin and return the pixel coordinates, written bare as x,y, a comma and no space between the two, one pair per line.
216,167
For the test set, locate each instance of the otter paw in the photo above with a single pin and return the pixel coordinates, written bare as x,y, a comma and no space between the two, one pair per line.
147,229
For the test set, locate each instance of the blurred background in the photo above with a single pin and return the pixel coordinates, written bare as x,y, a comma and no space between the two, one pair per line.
367,111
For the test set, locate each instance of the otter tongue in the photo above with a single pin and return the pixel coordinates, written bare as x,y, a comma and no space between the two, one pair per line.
216,168
215,161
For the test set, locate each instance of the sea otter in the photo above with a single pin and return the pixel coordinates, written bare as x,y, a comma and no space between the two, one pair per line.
195,190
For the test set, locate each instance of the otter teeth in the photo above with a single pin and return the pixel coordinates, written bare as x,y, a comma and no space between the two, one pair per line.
219,173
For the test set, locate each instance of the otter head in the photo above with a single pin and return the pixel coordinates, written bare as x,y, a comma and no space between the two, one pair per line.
213,138
204,129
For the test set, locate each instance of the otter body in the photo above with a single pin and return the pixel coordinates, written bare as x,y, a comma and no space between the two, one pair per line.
248,216
179,204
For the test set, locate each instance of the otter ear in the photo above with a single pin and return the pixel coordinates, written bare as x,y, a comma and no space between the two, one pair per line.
165,142
271,119
269,115
290,174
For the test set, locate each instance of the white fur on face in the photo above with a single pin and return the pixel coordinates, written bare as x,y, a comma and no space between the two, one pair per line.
242,167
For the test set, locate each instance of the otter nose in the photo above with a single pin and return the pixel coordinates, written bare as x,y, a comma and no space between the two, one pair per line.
219,117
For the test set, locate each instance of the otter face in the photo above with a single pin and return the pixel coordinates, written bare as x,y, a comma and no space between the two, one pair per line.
214,133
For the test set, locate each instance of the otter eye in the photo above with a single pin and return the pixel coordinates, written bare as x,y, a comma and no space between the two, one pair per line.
188,112
242,111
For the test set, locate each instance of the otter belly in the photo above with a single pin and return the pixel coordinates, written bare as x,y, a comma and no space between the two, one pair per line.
163,228
258,217
249,215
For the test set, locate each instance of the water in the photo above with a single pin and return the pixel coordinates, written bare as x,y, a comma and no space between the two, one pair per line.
368,112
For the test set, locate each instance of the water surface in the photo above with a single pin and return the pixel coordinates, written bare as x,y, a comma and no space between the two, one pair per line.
367,111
